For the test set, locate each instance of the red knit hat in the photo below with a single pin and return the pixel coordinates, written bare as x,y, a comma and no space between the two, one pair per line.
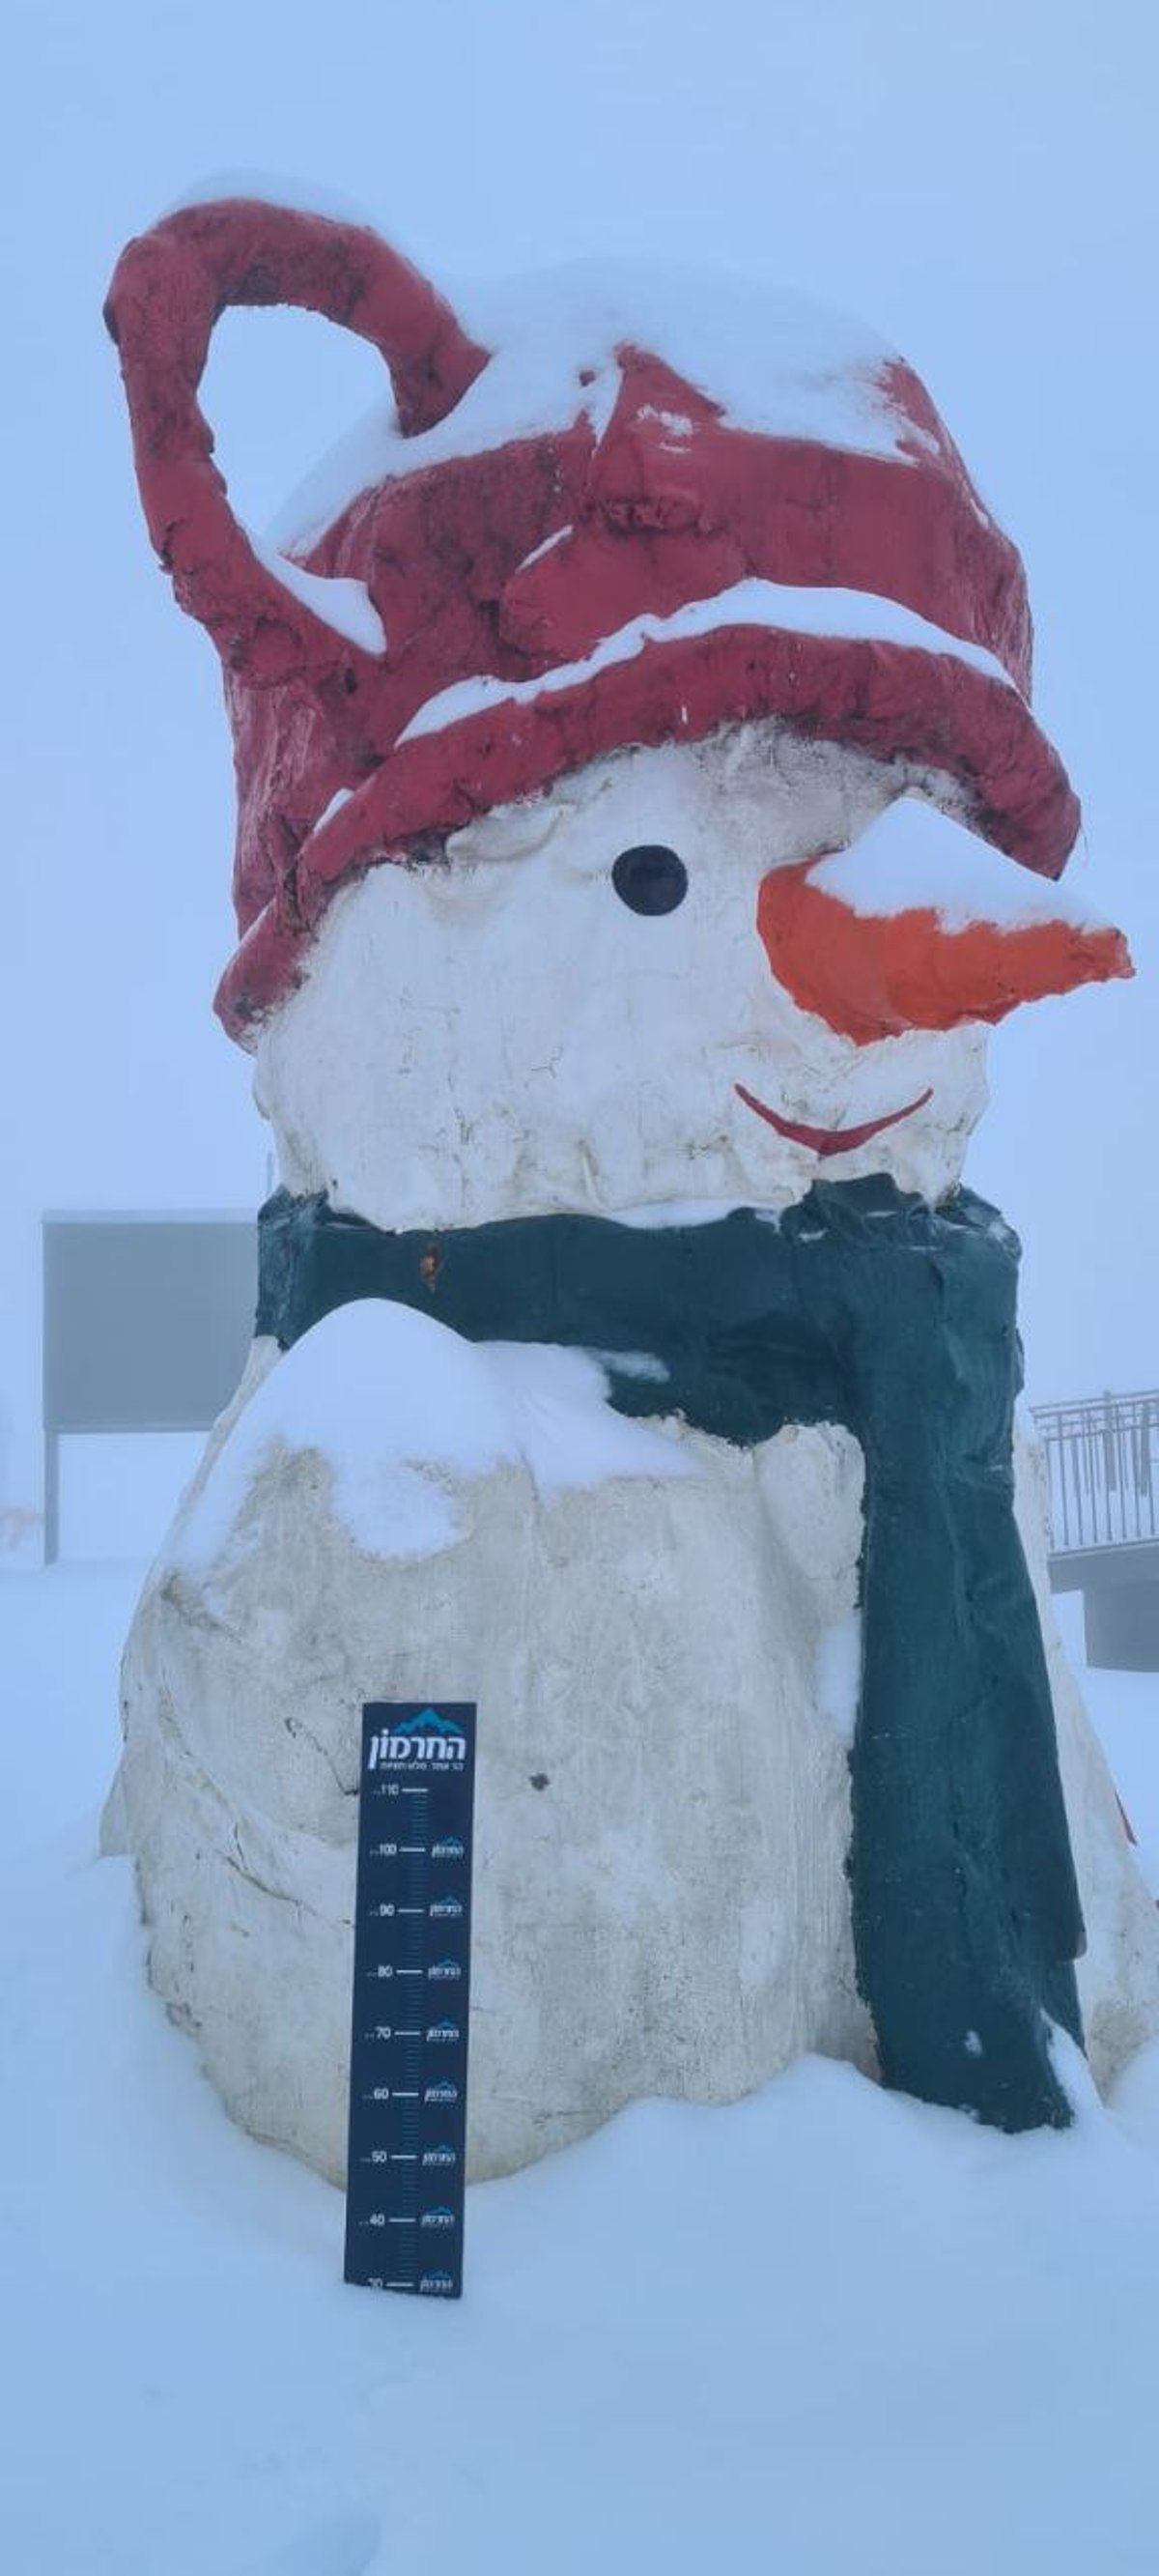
627,514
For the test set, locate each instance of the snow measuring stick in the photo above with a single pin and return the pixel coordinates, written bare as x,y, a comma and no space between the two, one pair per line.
412,1977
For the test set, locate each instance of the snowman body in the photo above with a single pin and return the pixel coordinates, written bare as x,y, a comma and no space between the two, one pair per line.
573,1008
664,1660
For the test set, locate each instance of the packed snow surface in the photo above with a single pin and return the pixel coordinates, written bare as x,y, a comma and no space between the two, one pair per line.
838,1675
272,188
392,1399
915,856
827,2328
341,603
772,360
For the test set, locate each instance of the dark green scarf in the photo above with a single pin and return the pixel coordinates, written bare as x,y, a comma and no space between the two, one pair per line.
866,1307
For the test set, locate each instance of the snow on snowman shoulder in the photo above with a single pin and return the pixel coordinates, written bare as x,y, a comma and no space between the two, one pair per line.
641,815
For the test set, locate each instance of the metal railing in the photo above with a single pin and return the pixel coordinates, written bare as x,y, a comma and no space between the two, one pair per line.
1102,1463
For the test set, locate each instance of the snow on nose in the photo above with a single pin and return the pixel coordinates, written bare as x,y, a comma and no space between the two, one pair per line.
921,926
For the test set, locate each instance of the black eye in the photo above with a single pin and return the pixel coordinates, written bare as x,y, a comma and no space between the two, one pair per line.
650,878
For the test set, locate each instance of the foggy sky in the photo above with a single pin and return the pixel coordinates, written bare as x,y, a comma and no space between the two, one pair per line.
976,180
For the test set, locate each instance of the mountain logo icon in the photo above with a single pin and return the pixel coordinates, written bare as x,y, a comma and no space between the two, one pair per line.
428,1722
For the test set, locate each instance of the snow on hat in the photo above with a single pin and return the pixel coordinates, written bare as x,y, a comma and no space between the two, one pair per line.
626,507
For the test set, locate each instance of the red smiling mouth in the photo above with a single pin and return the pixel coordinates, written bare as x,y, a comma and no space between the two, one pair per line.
829,1140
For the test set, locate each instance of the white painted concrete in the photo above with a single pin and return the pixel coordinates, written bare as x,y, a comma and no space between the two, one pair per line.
499,1035
668,1912
663,1643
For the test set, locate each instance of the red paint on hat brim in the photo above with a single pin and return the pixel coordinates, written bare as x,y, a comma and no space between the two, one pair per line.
899,704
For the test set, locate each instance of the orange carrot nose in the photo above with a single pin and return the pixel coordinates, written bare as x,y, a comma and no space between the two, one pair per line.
873,974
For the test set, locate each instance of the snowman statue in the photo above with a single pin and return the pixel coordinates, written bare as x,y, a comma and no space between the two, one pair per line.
642,816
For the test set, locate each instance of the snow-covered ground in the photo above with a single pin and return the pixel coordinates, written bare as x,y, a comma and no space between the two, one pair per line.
824,2329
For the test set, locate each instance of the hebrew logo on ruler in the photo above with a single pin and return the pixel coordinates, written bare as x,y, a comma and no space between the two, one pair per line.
412,1981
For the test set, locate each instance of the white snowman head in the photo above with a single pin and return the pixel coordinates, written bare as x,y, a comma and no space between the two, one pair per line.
573,1007
610,723
581,1002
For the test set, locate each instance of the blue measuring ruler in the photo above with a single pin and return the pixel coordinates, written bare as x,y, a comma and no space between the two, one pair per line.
406,2167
